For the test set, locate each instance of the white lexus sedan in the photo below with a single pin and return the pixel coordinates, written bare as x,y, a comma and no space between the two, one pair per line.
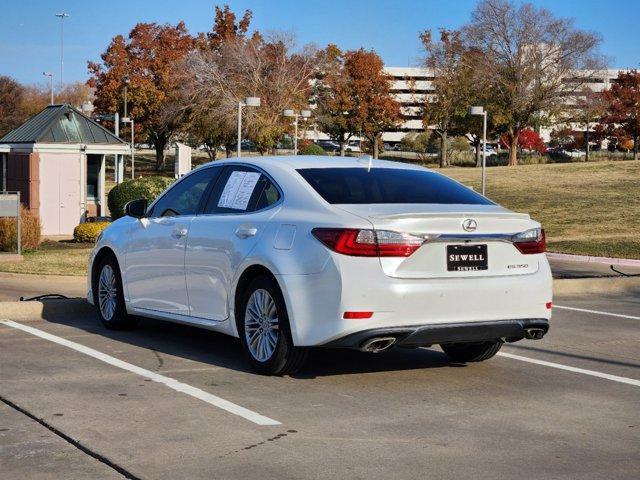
288,253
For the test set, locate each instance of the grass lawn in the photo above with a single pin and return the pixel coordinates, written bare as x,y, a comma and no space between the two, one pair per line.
52,258
585,208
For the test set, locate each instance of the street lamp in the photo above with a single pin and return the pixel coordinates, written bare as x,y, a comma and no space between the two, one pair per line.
126,84
481,111
133,149
248,102
290,113
50,75
61,16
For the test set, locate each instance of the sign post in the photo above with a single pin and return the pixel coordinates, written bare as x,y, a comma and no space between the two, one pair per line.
10,207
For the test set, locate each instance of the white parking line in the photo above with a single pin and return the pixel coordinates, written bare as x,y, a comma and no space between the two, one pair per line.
614,378
597,312
156,377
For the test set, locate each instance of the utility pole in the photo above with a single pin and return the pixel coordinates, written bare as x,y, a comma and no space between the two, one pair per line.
61,16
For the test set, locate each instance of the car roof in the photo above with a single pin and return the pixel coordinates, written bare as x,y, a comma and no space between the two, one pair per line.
294,162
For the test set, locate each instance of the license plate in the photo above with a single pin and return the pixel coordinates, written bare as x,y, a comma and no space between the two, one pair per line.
466,258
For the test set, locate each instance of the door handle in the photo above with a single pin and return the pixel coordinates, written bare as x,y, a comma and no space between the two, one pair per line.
180,232
245,232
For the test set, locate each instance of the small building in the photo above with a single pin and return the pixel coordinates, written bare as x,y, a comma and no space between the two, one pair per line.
56,160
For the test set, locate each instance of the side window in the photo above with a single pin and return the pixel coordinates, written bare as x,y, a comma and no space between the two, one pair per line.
184,197
240,190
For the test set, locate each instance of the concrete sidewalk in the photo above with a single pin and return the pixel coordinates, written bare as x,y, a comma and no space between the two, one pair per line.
573,269
16,285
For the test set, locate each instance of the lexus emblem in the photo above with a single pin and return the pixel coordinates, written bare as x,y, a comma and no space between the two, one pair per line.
469,225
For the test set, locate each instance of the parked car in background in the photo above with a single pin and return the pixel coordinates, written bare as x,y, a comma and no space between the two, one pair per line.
247,145
329,145
353,146
289,253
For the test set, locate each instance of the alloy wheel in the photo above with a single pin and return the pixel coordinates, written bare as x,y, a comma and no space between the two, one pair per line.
107,292
261,325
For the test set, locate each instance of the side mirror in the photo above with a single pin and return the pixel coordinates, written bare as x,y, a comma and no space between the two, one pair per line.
136,208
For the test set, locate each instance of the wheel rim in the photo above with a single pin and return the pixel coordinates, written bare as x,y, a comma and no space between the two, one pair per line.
107,292
261,325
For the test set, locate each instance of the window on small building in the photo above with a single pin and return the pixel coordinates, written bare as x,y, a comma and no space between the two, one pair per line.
93,176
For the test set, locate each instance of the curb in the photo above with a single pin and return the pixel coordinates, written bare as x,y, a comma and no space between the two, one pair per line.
624,262
46,309
603,285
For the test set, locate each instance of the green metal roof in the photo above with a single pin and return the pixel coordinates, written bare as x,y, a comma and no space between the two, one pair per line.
61,124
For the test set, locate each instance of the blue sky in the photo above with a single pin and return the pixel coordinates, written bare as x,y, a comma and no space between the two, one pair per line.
29,33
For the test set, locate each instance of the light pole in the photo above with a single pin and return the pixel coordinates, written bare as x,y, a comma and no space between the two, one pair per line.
61,16
50,75
133,147
248,102
126,84
291,113
481,111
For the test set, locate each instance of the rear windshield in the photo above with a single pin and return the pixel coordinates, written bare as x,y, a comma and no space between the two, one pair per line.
388,185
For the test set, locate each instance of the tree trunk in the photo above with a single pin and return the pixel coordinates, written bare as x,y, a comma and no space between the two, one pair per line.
229,149
444,161
375,145
513,148
586,141
635,147
212,153
160,142
478,154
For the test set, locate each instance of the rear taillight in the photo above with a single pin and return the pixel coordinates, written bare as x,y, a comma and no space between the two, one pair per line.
530,241
368,243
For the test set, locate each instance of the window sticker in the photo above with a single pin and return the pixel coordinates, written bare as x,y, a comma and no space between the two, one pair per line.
238,190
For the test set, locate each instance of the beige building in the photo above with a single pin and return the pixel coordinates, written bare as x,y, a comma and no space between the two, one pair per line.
56,160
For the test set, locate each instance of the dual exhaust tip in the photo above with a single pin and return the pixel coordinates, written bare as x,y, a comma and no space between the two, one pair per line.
534,333
380,344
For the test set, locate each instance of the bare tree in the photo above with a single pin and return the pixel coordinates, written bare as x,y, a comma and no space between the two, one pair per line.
219,79
446,111
531,61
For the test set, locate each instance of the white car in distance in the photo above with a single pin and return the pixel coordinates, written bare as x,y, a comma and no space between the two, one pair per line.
289,253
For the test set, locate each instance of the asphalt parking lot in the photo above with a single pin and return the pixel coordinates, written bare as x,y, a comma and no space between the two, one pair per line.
168,401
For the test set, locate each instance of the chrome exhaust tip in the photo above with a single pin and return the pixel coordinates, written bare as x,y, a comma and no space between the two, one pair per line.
378,344
534,333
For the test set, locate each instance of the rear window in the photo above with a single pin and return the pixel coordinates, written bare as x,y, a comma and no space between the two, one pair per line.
388,185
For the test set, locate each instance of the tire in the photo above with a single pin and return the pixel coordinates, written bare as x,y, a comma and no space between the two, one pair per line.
108,296
471,352
263,327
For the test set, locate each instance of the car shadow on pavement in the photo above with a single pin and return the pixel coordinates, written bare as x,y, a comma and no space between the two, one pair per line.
221,350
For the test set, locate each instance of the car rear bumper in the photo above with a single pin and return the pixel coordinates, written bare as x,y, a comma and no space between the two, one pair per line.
427,335
317,302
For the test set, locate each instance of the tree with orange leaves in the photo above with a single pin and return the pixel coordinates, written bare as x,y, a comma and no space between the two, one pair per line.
375,109
148,60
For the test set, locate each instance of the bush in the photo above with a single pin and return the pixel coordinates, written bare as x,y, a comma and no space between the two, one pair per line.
29,232
89,231
312,149
145,187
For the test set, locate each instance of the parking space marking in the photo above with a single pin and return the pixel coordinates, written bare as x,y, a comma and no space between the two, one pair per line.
593,373
597,312
156,377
